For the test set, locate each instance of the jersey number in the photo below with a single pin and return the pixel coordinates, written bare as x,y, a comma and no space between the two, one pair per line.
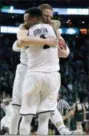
45,46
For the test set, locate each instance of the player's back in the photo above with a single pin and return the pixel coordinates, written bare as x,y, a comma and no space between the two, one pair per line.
42,58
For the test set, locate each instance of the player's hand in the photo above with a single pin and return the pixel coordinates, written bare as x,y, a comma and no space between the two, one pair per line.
62,43
62,49
55,24
62,52
51,41
20,44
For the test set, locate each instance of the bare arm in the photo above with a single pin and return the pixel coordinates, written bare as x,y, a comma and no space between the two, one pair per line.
25,40
62,52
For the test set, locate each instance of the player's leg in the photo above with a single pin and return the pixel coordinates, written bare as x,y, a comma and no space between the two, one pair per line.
25,125
43,119
57,120
30,101
16,97
15,120
48,101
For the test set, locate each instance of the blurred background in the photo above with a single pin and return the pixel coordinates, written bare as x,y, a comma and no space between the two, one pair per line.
74,18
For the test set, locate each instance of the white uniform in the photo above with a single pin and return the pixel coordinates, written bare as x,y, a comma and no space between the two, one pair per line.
42,81
19,76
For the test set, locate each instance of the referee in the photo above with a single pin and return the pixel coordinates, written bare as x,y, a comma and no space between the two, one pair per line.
64,109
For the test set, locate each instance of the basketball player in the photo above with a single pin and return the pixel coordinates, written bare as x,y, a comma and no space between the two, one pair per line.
16,99
39,85
47,11
22,29
63,52
20,73
57,118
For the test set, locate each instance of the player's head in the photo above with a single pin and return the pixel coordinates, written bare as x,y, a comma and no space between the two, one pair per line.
47,11
32,16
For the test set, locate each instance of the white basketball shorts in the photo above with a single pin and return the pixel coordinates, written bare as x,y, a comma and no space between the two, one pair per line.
39,92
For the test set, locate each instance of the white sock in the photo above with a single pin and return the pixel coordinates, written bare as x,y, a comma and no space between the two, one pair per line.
25,127
43,120
57,120
14,120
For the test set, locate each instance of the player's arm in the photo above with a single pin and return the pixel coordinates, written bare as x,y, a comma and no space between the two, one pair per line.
15,47
63,52
25,40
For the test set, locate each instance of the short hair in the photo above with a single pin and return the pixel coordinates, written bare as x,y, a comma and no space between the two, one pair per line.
45,6
34,12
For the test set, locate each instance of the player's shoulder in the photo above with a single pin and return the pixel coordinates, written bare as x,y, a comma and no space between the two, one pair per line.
41,25
55,24
34,27
22,26
49,28
47,25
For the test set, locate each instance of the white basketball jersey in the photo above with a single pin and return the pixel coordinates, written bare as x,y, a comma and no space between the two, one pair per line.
42,58
23,56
